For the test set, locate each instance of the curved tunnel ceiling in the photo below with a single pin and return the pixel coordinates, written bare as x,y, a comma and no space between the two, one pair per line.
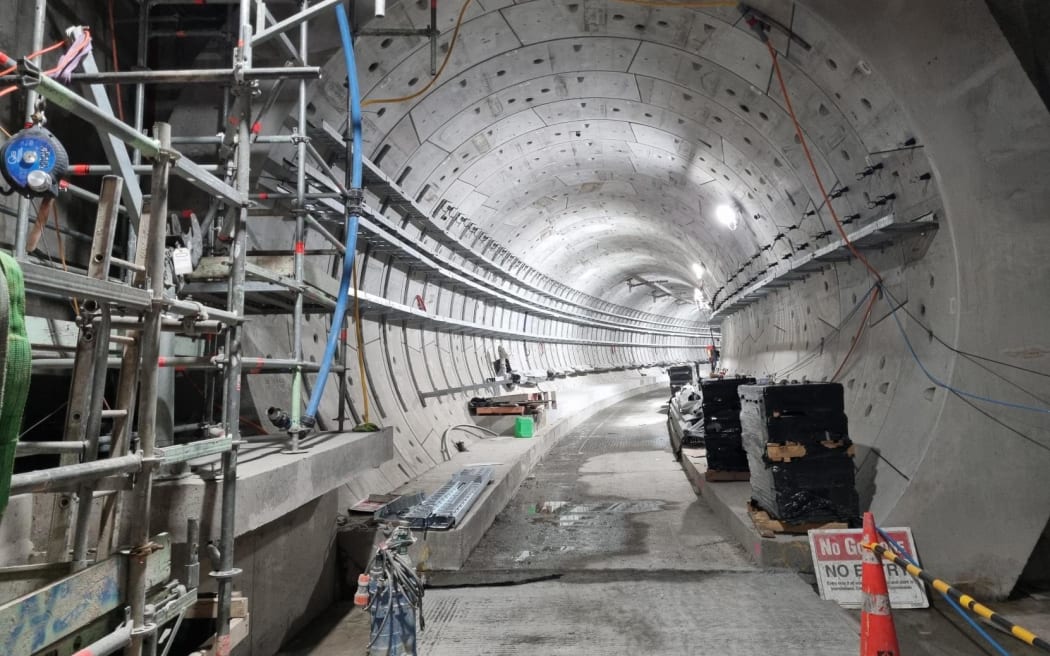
595,139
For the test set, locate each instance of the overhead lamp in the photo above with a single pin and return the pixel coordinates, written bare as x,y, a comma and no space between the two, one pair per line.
698,269
727,216
698,297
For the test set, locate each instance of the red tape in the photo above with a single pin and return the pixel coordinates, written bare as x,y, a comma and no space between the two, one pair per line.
187,214
258,367
264,196
256,127
80,169
300,248
161,361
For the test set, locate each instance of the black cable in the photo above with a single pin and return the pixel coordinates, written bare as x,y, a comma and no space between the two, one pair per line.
816,352
948,346
1002,423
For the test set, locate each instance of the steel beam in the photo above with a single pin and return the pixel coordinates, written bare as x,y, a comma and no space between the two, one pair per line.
116,151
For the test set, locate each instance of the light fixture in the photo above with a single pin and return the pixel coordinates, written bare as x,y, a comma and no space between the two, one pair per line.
698,269
698,298
727,216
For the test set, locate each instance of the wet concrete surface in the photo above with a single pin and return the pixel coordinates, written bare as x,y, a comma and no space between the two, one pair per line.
605,549
609,496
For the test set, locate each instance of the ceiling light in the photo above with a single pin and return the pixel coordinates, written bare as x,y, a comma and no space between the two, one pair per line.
727,216
698,298
698,269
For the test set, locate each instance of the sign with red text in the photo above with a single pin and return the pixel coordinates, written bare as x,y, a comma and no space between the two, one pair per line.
838,566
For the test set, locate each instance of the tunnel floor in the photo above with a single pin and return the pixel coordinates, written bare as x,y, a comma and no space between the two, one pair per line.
606,549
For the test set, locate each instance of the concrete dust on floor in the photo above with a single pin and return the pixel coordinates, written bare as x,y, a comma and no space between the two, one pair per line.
697,613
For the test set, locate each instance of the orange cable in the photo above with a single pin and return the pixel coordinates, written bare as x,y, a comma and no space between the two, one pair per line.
44,51
116,63
62,250
683,5
440,70
360,344
860,331
12,69
813,167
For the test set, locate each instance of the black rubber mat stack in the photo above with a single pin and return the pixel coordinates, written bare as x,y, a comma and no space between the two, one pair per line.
797,442
680,376
721,432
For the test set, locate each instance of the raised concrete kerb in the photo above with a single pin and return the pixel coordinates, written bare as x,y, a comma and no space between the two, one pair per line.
513,459
271,484
729,502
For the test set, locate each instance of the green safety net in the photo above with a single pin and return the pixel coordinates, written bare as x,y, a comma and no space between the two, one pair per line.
15,365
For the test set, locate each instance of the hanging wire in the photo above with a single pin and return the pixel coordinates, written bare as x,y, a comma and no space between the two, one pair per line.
437,75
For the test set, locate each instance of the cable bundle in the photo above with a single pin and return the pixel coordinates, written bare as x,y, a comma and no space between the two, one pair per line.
79,49
395,598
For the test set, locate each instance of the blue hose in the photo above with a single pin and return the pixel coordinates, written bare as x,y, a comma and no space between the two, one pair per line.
354,110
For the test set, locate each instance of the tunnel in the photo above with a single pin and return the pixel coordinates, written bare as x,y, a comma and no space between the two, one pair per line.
561,198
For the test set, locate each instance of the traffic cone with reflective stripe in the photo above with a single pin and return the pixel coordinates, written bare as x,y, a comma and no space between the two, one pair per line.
878,636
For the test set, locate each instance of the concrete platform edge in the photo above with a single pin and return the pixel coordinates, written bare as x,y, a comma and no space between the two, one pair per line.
729,501
449,550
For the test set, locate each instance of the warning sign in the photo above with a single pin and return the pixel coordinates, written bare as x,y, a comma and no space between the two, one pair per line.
837,561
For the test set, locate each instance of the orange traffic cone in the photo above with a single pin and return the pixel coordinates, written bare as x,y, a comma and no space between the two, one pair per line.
878,637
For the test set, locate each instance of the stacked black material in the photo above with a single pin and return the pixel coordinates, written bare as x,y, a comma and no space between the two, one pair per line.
797,442
680,375
721,426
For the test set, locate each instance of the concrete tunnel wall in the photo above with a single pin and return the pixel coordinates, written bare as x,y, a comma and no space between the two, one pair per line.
595,139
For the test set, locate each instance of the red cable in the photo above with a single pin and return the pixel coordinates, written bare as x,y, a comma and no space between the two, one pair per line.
813,167
116,63
860,331
12,69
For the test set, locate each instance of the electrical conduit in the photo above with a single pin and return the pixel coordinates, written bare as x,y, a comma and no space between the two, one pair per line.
353,209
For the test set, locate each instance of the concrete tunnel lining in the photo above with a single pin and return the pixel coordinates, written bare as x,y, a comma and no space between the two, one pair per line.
859,102
577,152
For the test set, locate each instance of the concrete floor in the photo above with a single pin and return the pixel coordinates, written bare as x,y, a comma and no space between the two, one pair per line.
605,549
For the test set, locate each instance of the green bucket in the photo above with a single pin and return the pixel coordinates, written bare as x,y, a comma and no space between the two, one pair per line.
524,427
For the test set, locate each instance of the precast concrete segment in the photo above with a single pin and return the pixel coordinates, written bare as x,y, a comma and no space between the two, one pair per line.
610,495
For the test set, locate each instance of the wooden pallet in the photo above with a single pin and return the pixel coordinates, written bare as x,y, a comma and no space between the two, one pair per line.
716,476
500,410
790,450
768,527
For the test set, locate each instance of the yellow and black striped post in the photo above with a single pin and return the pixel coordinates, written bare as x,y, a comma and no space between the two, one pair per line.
965,600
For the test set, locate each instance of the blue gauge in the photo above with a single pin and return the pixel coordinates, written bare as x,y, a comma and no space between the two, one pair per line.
33,162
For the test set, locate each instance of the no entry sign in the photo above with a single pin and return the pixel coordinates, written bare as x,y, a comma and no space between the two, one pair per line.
837,562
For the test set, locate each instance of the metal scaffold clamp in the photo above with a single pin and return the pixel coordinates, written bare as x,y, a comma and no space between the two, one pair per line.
355,202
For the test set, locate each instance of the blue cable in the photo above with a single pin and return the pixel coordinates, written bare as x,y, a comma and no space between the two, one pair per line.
939,383
958,609
354,111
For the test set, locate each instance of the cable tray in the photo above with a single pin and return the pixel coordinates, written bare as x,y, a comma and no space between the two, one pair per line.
447,506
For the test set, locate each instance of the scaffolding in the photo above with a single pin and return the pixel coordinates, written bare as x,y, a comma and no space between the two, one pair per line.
135,308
